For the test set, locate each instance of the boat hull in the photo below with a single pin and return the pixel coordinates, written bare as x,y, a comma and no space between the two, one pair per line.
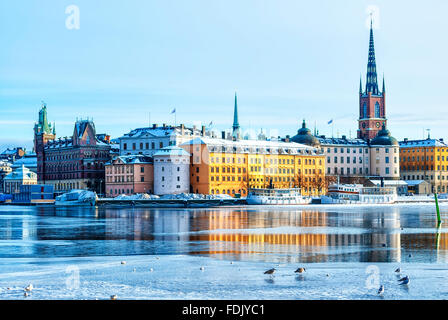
369,200
262,200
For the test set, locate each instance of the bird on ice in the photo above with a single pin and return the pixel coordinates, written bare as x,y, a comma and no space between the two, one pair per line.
29,287
381,290
113,297
404,280
300,270
123,262
398,270
270,271
202,268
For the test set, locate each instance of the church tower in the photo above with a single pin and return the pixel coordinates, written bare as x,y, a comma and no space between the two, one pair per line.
236,132
372,102
43,132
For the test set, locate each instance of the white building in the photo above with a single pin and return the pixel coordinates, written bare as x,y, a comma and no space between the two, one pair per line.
21,176
148,141
171,171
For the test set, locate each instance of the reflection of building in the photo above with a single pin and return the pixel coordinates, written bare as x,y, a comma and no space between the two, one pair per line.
17,178
425,160
129,175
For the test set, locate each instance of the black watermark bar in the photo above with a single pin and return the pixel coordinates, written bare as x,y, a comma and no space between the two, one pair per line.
213,309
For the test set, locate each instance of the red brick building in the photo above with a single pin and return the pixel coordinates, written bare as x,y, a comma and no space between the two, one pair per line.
75,162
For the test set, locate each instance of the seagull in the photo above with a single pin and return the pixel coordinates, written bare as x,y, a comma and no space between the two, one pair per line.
404,280
398,270
29,287
123,262
26,294
202,268
300,270
151,269
381,290
114,297
270,271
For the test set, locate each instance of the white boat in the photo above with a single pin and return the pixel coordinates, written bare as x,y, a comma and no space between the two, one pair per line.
276,197
357,194
77,198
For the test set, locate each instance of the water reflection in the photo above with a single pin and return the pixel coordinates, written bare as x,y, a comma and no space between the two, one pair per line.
376,234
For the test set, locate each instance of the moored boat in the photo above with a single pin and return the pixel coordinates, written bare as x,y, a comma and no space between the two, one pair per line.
291,196
358,194
77,198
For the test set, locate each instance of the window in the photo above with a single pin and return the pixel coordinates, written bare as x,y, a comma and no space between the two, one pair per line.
377,110
364,110
142,169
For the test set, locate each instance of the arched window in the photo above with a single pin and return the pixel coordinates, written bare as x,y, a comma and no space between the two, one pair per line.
377,110
364,110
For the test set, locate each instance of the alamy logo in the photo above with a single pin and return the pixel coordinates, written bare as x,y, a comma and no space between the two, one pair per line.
73,21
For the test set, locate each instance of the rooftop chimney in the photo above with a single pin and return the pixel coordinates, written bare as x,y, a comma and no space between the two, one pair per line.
223,134
154,125
182,129
203,131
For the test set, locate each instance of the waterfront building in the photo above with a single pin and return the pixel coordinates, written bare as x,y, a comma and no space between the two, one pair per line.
356,160
425,160
14,180
171,171
75,162
222,166
129,175
147,141
5,169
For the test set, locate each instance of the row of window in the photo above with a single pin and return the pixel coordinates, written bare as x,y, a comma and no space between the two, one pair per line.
143,146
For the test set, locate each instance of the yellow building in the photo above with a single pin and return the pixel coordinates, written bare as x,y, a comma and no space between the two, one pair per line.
425,160
221,166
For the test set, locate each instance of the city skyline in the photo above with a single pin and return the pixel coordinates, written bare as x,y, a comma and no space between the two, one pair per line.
284,65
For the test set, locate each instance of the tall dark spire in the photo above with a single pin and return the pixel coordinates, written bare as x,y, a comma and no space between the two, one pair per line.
236,125
360,85
384,86
372,82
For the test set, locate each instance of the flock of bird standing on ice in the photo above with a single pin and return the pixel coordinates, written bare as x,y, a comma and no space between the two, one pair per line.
402,281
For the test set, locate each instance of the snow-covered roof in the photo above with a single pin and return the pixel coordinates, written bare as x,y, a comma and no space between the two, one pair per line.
158,132
414,182
253,146
341,142
423,143
21,173
390,182
132,159
171,151
29,162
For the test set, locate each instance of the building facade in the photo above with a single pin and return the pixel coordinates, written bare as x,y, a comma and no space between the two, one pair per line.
22,176
129,175
5,169
75,162
232,167
171,171
148,141
425,160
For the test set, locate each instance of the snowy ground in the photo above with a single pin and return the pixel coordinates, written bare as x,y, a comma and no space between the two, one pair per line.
181,277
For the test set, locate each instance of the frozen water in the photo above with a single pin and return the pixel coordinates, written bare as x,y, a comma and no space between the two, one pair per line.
49,247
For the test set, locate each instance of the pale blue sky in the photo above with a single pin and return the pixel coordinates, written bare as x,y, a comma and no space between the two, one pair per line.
288,60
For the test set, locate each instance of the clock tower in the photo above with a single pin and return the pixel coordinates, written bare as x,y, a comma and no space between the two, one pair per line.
372,102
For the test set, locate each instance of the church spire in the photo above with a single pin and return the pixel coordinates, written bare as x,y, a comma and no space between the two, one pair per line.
360,85
236,125
384,86
372,82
